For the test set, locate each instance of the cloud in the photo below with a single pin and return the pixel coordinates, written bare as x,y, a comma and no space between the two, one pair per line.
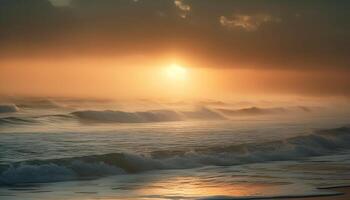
247,22
318,38
184,8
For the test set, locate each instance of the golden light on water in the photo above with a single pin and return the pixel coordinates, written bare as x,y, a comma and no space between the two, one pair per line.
196,187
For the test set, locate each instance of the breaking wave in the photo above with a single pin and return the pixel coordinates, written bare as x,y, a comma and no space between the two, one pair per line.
252,111
33,119
110,116
324,142
203,113
8,108
41,104
15,121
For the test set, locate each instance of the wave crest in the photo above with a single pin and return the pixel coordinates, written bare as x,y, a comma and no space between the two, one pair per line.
110,116
15,121
252,111
8,108
38,104
320,143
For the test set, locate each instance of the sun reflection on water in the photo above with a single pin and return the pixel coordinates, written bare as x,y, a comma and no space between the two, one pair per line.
195,187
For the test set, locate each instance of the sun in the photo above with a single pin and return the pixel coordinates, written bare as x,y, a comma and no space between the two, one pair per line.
176,72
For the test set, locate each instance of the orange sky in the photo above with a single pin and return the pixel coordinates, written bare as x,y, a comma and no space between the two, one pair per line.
139,77
120,49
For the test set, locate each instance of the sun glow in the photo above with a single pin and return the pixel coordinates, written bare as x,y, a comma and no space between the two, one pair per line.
176,81
176,72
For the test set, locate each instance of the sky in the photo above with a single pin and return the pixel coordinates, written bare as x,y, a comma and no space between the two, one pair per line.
227,48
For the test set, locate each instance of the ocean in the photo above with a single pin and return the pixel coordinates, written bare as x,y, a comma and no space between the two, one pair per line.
97,150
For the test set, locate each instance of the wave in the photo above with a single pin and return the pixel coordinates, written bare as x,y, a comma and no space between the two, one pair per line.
304,108
203,113
16,121
8,108
34,119
39,104
110,116
251,111
85,167
324,142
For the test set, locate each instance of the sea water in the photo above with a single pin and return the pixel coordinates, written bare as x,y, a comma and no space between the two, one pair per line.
50,151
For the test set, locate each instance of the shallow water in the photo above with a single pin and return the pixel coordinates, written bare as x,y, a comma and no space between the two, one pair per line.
52,153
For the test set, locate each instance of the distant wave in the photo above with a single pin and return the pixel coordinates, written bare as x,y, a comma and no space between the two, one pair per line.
203,113
15,121
110,116
33,119
304,108
8,108
251,111
41,104
324,142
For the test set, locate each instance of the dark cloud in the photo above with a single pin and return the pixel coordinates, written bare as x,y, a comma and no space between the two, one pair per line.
230,33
